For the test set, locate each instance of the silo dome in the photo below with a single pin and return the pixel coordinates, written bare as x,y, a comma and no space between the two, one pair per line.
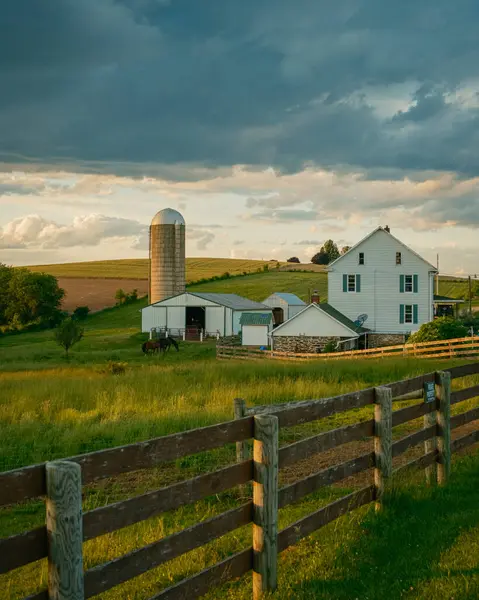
168,216
167,255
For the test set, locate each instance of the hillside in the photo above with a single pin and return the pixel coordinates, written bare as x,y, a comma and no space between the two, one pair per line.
196,268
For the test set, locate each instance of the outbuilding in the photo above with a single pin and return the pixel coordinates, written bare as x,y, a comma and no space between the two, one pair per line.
311,329
284,305
213,314
255,328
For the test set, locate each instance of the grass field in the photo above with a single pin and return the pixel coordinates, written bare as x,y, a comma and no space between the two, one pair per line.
196,268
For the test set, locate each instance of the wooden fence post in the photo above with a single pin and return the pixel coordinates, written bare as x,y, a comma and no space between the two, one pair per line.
430,445
443,393
265,505
382,440
240,413
65,531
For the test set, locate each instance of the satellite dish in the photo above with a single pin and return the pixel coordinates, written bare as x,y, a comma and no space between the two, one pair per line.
361,320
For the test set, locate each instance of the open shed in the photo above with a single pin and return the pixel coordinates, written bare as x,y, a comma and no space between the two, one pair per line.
284,306
208,312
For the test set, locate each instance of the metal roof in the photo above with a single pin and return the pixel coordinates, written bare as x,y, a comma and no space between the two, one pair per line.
291,299
445,299
333,313
255,319
231,301
168,216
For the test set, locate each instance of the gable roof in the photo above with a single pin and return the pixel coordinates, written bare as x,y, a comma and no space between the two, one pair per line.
446,299
356,246
232,301
256,319
331,312
291,299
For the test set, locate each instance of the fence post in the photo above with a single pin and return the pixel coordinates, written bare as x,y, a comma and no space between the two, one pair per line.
241,447
430,445
382,440
265,505
65,531
443,393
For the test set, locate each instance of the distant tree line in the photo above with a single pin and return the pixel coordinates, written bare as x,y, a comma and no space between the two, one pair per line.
28,298
328,252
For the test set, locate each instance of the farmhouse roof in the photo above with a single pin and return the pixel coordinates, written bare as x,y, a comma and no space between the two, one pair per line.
291,299
255,319
333,313
447,300
356,246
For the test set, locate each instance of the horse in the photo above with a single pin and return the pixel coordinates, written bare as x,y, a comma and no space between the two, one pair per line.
166,343
161,345
151,346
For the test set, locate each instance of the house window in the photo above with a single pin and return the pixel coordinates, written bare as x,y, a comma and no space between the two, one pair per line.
351,283
361,258
408,283
398,258
408,313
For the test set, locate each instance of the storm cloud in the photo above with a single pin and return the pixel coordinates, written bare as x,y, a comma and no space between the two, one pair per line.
134,86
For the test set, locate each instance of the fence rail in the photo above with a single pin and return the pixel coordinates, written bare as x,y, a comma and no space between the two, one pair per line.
261,424
456,348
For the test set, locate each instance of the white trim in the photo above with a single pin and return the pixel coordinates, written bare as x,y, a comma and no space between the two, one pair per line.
355,247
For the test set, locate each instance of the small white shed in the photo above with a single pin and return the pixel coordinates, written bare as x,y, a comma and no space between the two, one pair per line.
315,326
209,312
284,305
255,328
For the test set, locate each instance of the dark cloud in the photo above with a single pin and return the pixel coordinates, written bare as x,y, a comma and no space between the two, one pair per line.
140,86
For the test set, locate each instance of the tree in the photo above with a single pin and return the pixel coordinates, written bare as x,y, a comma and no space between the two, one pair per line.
444,328
80,313
329,252
293,259
67,334
345,249
120,297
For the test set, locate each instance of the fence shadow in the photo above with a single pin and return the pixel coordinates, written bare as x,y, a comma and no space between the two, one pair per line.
402,547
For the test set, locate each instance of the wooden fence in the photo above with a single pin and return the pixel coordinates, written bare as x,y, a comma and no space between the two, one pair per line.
456,348
60,482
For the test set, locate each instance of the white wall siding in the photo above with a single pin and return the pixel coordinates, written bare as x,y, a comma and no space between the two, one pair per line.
255,335
293,310
215,319
313,322
153,316
176,317
380,296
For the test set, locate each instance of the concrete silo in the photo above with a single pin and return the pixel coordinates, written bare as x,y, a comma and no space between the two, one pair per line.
167,255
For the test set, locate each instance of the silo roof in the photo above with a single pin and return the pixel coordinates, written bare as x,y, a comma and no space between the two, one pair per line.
168,216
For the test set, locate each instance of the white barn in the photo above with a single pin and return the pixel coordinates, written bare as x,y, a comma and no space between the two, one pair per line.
383,284
314,327
284,305
212,313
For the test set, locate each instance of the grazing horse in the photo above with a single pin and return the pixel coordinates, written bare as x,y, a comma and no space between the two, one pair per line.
151,346
163,344
166,343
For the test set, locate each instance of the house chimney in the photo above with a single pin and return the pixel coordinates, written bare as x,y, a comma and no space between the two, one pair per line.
315,297
387,229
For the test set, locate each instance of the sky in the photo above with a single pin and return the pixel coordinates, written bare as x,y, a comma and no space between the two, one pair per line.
271,126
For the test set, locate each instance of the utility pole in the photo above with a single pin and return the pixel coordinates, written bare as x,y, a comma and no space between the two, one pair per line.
437,275
470,296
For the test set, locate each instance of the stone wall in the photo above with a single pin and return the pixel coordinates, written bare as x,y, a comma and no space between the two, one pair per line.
301,344
379,340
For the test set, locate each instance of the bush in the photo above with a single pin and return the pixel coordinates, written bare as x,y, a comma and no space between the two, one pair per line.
331,346
444,328
80,313
293,259
114,368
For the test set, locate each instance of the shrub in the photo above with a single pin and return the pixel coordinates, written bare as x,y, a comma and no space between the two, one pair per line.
444,328
293,259
67,334
114,368
80,313
331,346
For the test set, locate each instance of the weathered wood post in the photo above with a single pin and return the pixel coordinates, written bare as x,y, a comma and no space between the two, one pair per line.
443,392
265,505
382,440
240,413
430,445
65,531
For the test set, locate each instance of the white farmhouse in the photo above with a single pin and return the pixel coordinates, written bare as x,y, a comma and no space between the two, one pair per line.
201,311
383,285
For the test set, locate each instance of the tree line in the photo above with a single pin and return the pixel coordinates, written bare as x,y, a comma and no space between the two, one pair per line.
327,254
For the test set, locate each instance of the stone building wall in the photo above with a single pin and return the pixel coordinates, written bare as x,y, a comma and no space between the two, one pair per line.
379,340
301,344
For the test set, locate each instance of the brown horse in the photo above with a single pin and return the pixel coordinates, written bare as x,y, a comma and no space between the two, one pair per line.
163,344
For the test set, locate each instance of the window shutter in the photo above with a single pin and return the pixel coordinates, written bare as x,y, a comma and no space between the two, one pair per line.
415,314
401,313
358,283
401,284
415,284
345,283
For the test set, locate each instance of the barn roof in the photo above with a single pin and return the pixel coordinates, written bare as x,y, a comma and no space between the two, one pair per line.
231,301
255,319
333,313
291,299
447,300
